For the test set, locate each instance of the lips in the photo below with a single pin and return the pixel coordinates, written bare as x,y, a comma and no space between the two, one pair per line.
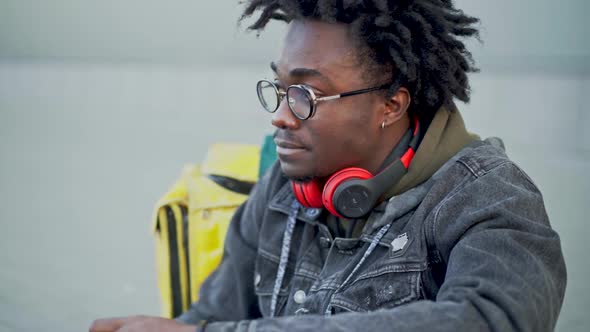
289,151
288,144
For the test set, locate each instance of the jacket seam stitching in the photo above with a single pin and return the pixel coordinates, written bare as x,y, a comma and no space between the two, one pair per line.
445,201
388,270
267,255
525,176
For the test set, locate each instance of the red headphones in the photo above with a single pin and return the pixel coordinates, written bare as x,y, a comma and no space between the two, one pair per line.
352,192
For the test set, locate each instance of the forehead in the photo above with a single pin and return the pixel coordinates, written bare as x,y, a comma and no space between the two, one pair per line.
326,47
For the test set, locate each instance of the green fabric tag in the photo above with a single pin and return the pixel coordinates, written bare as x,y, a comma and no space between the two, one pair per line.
268,155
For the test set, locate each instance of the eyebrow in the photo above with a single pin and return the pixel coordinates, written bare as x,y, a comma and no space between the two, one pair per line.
301,72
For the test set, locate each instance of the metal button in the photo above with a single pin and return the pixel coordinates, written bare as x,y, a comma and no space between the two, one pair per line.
325,242
299,297
257,279
312,212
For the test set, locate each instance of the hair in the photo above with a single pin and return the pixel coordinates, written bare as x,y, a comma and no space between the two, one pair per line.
417,42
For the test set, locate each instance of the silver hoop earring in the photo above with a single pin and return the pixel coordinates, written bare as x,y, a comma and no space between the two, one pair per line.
383,125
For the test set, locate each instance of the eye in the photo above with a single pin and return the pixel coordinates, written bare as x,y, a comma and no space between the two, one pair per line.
315,90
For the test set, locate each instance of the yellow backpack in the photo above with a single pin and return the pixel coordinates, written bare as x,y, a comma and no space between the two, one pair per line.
191,220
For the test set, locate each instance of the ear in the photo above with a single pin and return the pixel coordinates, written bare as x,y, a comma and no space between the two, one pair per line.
396,106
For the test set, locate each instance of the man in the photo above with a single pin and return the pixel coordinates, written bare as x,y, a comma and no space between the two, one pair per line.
383,212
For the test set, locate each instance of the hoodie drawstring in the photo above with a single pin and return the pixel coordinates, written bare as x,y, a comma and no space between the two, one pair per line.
372,246
284,256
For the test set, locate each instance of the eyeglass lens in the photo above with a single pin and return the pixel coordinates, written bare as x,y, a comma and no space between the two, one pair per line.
268,95
299,101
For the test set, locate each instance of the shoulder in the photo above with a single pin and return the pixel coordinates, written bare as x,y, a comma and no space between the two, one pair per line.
481,189
483,167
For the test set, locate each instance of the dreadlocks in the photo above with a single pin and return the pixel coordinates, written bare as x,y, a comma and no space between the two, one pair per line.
415,42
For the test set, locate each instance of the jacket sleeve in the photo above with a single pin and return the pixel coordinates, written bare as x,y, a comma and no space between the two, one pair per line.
505,269
228,293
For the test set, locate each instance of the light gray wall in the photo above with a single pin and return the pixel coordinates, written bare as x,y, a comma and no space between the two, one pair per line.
103,102
529,33
132,30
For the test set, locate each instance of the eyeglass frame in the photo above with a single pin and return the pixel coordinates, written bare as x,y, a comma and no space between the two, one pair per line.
313,99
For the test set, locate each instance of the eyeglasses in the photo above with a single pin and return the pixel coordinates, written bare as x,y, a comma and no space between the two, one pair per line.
301,99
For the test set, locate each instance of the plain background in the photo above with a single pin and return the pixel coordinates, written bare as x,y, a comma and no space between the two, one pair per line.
103,102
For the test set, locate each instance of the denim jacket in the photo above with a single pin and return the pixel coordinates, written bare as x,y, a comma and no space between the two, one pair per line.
470,249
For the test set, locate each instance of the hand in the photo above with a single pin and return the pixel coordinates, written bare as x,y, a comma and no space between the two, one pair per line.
139,323
112,324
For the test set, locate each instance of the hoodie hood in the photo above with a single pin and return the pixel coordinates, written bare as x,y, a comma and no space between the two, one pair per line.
446,136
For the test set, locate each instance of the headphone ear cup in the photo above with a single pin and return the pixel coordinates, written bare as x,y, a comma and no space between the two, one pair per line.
309,194
338,178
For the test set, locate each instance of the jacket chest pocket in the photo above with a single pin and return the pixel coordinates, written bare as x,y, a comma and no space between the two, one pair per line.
384,287
264,282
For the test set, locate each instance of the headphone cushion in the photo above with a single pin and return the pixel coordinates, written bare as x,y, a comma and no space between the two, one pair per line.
335,180
309,194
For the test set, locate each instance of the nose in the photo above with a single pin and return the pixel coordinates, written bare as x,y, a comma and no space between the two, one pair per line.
283,118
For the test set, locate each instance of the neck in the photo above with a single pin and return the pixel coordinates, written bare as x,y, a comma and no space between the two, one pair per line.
389,139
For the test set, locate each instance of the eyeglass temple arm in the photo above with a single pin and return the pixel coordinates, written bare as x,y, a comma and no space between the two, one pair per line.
352,93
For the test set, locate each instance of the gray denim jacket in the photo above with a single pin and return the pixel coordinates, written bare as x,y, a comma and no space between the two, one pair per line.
470,249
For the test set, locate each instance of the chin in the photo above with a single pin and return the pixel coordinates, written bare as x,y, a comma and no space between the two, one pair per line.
297,174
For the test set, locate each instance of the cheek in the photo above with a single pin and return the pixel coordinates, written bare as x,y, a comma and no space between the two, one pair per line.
342,142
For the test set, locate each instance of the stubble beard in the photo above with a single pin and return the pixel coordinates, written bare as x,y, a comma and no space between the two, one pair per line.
302,179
